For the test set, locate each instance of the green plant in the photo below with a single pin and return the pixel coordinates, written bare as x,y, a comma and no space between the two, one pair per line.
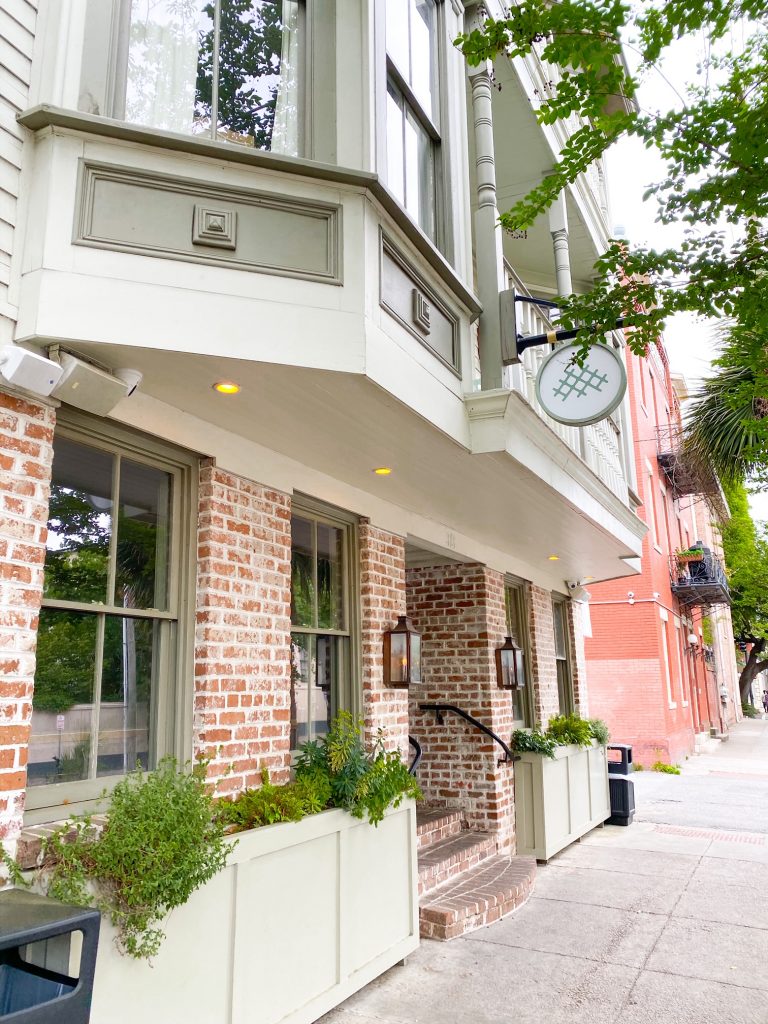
161,841
567,729
271,804
749,711
690,553
639,767
599,730
666,769
363,782
535,742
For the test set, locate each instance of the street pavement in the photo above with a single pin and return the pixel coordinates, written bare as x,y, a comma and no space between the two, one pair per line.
662,922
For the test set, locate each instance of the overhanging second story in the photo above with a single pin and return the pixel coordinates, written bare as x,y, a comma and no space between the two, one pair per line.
281,193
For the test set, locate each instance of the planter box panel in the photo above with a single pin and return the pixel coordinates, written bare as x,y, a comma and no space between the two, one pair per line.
579,793
370,897
598,783
189,978
286,947
525,814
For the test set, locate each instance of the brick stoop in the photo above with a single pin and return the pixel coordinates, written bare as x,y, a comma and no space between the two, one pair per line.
478,897
463,882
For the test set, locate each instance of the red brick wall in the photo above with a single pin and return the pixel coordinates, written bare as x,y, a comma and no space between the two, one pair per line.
242,637
26,456
459,609
382,600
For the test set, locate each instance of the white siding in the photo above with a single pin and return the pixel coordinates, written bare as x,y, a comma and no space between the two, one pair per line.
17,27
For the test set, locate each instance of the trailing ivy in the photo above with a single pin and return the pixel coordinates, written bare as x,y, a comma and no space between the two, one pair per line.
161,841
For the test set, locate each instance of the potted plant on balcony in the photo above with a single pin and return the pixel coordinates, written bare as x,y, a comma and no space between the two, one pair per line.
690,555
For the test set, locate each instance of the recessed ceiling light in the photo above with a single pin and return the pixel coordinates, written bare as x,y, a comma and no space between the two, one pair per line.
382,471
226,387
554,558
589,578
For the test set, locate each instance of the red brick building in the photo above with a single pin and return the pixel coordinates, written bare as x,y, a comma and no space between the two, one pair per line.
660,658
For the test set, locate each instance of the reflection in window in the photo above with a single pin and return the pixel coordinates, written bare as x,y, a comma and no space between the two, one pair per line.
97,670
175,78
319,621
517,628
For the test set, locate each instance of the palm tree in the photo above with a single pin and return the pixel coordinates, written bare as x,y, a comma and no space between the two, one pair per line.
727,423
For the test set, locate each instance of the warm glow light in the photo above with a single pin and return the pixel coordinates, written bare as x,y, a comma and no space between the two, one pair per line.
382,471
587,578
226,387
554,558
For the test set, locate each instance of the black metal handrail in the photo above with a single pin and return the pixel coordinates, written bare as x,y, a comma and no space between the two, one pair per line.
439,709
417,758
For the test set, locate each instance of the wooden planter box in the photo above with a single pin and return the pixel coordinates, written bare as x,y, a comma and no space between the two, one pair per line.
559,800
303,915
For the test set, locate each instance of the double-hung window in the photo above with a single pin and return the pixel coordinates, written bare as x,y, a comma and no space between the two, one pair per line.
412,117
517,628
322,618
111,638
562,656
229,70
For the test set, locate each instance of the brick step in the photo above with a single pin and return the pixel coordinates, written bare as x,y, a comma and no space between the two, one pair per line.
449,857
479,897
436,823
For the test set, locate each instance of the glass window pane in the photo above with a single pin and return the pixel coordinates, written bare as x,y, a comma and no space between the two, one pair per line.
557,614
169,47
302,654
79,524
259,65
142,537
130,647
302,573
62,702
395,153
423,60
330,577
324,684
397,36
419,175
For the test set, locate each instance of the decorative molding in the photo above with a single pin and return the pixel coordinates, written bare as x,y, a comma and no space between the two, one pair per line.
415,306
285,236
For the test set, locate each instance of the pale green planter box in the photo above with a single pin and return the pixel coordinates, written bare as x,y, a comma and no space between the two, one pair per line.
559,800
304,914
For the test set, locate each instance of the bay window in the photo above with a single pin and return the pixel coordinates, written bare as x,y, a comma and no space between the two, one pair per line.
110,637
412,109
229,70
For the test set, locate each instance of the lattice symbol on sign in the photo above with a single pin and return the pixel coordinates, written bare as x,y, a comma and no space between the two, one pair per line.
579,379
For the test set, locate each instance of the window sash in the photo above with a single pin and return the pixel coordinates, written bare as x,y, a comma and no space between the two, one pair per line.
563,658
170,729
517,627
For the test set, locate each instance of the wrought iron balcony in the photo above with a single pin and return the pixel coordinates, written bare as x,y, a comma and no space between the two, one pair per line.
699,582
687,472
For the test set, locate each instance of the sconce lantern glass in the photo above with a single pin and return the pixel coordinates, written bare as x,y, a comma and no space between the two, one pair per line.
402,655
510,673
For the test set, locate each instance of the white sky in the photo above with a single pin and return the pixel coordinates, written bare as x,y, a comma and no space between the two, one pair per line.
690,342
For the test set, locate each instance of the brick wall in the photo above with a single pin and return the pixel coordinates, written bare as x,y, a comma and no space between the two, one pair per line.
459,610
545,698
382,600
578,660
242,636
26,456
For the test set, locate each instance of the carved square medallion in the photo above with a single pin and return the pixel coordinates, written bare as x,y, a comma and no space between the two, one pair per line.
421,311
214,227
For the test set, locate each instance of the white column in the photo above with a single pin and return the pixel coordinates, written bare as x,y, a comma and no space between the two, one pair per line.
488,247
558,226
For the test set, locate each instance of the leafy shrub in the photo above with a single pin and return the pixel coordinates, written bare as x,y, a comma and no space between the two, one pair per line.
599,730
271,804
750,711
638,767
161,841
360,781
567,729
534,741
667,769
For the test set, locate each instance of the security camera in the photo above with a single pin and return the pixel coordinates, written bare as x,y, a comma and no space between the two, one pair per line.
578,591
29,370
630,593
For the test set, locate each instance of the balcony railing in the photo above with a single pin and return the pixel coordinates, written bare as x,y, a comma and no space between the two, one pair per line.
700,582
687,472
599,444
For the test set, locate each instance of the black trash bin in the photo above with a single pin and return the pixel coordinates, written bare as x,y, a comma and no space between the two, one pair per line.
36,937
620,786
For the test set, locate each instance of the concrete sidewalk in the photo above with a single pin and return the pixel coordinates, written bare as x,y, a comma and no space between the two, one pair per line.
657,922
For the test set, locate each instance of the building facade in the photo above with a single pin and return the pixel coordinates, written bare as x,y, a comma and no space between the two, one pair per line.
297,253
660,655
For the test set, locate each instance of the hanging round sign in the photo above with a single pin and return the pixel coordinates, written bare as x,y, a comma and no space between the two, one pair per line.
581,394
